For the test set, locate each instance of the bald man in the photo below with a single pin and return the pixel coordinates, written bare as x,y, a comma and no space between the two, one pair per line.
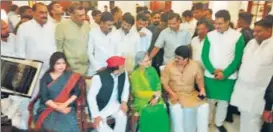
7,40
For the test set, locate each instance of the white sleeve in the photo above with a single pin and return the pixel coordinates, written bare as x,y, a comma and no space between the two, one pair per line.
92,94
126,89
91,46
138,44
150,35
20,43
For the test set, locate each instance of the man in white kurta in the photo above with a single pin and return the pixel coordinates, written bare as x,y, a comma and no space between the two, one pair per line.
96,15
189,23
254,76
127,41
13,16
100,45
221,55
35,39
55,12
197,42
7,40
108,96
144,33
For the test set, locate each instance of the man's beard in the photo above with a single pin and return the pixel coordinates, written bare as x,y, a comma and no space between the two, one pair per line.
125,30
5,35
156,23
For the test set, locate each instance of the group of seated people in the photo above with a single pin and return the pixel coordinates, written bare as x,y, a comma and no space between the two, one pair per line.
109,93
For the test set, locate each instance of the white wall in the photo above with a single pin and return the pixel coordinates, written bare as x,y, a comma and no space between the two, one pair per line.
20,3
218,5
101,5
232,6
181,6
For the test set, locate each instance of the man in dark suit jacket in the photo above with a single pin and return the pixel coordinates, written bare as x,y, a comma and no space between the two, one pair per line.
267,114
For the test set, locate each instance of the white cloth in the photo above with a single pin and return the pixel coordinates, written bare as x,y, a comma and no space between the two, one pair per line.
100,48
127,46
189,119
4,15
197,46
120,123
13,18
271,12
113,104
15,107
254,76
222,50
52,20
250,122
126,43
89,13
221,111
8,48
189,26
145,41
94,25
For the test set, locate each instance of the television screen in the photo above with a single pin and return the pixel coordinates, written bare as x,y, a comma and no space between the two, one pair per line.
19,76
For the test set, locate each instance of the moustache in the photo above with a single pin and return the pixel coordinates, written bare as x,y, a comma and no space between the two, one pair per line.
44,18
4,35
125,30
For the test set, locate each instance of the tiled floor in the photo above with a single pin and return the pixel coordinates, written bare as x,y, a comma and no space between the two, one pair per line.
231,127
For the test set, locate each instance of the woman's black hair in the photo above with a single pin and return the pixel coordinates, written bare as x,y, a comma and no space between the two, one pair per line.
54,58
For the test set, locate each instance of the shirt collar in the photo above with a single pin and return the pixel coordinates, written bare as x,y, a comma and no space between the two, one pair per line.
225,32
179,30
37,24
267,40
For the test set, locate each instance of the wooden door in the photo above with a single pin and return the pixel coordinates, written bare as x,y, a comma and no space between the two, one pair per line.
160,5
259,9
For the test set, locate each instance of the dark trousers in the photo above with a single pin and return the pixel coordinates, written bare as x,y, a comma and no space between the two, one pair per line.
267,127
231,110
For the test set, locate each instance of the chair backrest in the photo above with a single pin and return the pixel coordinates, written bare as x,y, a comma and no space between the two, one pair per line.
83,115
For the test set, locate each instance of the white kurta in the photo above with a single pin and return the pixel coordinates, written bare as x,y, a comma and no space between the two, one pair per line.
222,48
53,20
94,25
36,42
100,48
127,46
14,18
145,41
197,46
113,104
189,26
8,48
254,76
4,15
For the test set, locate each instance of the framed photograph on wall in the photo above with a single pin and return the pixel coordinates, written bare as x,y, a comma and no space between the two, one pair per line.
31,2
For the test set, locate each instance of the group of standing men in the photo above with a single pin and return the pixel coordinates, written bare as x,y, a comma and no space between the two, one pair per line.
235,68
